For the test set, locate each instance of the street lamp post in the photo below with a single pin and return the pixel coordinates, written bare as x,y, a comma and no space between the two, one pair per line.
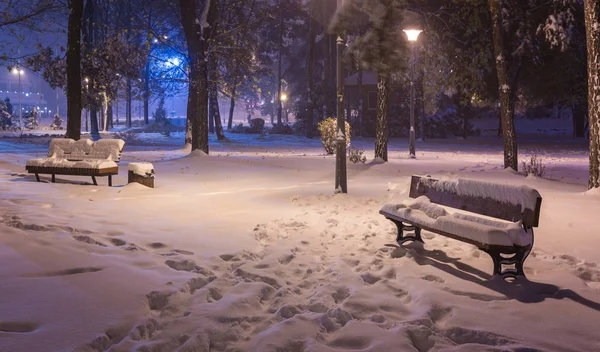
412,35
19,71
87,80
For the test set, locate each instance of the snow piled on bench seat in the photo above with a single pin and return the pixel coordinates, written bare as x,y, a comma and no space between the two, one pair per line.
65,163
422,212
505,193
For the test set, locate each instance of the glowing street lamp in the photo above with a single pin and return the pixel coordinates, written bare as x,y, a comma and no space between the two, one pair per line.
412,35
284,97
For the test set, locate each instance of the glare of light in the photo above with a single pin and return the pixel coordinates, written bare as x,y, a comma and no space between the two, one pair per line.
412,34
174,61
155,40
284,97
26,94
21,72
165,37
86,80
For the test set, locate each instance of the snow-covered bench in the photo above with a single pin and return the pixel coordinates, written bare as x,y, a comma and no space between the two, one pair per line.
497,218
79,158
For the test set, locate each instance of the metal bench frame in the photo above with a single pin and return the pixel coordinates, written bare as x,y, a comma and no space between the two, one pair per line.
501,255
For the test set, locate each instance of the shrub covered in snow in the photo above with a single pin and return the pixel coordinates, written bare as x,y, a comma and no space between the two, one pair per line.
129,136
31,119
256,126
448,124
239,128
281,129
534,166
357,155
56,123
328,131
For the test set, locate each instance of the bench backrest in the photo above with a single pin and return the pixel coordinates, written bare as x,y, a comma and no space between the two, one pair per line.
512,203
85,149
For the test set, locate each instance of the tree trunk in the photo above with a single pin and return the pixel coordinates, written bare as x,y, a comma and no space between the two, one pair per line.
592,20
128,104
147,93
361,110
579,116
109,114
279,58
215,114
505,86
231,109
74,70
326,65
211,121
197,109
94,123
310,110
105,112
381,123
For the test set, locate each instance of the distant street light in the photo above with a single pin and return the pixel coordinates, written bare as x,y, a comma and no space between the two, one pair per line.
412,35
19,71
283,97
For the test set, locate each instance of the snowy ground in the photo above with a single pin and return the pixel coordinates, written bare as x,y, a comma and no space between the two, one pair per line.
249,250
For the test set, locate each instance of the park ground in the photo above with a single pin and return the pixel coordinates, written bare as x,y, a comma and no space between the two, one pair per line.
248,249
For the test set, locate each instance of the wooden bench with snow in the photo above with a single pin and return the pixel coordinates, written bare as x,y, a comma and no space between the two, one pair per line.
79,158
497,218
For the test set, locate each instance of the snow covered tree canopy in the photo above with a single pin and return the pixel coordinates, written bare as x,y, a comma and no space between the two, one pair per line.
382,43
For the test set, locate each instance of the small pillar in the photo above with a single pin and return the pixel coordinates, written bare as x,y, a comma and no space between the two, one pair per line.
142,173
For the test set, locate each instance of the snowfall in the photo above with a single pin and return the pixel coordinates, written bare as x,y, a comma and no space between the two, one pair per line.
249,249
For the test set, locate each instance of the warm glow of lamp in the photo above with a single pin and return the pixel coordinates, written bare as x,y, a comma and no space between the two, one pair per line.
412,34
86,80
284,97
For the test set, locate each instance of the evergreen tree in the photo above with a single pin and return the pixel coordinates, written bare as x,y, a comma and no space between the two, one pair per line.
6,122
9,106
160,115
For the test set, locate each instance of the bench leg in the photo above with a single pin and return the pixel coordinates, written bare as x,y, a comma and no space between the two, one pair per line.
517,259
53,178
94,180
37,177
401,239
109,180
